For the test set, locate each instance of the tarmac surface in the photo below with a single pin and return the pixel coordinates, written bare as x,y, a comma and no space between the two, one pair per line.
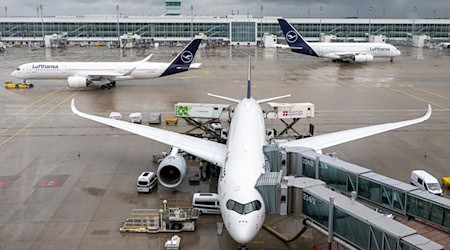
68,183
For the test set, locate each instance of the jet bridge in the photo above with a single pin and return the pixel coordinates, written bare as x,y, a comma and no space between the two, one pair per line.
356,224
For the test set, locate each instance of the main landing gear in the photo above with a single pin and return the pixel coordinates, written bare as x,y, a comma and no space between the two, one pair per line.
108,85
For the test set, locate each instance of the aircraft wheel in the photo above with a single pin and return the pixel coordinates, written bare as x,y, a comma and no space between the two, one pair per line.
103,87
109,86
113,83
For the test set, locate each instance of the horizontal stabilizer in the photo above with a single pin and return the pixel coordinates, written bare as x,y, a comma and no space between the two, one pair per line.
195,66
225,98
272,99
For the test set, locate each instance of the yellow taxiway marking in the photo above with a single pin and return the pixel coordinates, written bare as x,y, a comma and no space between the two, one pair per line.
39,118
186,77
42,98
431,93
418,98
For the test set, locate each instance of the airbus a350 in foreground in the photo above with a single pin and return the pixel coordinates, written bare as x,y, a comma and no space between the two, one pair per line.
83,74
241,160
357,52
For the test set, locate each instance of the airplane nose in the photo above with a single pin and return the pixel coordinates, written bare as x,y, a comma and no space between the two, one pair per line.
398,53
14,73
243,234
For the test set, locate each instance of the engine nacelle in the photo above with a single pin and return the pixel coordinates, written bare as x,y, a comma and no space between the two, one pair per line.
363,58
77,82
171,170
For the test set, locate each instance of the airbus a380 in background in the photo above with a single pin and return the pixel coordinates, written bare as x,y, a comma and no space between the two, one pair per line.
83,74
241,160
357,52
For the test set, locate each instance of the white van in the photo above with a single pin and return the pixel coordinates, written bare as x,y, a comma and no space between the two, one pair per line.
147,182
207,203
426,181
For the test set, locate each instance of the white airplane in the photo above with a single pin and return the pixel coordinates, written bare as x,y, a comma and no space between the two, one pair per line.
357,52
241,160
83,74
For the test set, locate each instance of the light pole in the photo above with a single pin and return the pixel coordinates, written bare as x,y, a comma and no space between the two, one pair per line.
192,21
261,28
370,17
118,27
309,13
384,13
6,11
414,20
357,13
320,21
42,25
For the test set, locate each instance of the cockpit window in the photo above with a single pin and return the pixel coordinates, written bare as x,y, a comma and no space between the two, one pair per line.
18,69
243,208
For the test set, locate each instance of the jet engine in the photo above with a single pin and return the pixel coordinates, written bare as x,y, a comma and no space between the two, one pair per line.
77,82
363,58
172,169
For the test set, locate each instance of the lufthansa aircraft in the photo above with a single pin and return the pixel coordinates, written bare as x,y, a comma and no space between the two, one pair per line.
83,74
241,160
357,52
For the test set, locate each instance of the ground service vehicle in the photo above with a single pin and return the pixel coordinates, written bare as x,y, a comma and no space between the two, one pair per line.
147,182
426,181
11,85
206,203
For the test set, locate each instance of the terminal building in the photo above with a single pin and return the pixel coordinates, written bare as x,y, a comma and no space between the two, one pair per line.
231,29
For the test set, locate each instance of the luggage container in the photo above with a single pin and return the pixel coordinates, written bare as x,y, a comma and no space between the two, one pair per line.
136,118
154,118
115,116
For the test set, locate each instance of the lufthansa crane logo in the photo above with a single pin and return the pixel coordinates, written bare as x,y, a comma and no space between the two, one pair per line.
187,57
291,36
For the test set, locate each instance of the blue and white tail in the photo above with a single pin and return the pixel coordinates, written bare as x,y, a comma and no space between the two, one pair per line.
183,60
294,39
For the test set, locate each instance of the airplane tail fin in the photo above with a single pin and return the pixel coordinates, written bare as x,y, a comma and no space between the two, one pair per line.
183,60
294,39
249,77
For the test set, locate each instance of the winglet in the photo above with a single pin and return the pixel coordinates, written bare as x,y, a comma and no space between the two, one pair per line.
294,39
428,114
145,59
74,109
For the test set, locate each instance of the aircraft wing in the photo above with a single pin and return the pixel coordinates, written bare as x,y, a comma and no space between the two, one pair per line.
210,151
344,55
320,142
98,75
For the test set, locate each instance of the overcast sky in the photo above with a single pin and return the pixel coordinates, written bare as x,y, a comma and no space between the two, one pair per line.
285,8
